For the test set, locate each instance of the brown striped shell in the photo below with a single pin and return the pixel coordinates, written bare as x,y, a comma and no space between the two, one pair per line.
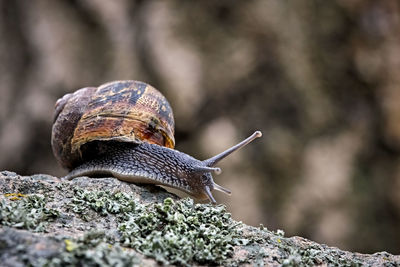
123,111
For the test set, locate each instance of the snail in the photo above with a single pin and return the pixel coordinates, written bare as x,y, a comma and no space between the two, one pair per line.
126,129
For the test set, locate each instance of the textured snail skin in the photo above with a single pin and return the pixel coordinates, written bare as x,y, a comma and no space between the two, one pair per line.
154,164
149,163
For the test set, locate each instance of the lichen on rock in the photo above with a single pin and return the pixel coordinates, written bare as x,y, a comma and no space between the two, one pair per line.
26,211
106,222
182,233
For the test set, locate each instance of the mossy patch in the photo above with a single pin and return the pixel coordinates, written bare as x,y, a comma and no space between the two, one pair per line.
26,211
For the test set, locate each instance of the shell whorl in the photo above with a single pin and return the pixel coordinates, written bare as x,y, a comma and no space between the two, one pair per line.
125,111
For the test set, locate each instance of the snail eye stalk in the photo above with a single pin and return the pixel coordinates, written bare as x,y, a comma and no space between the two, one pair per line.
214,160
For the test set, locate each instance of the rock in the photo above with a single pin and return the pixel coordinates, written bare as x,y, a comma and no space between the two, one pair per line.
107,222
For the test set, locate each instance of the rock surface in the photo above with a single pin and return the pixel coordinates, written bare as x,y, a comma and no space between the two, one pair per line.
106,222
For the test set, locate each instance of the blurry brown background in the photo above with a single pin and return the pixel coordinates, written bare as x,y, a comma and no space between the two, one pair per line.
321,79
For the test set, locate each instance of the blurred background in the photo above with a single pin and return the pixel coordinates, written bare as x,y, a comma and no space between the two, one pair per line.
320,79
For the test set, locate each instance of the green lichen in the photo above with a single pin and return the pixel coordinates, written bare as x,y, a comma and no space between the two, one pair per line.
102,202
288,252
92,249
313,255
172,232
182,233
26,212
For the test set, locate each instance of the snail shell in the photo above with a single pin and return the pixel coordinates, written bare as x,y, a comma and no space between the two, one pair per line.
124,111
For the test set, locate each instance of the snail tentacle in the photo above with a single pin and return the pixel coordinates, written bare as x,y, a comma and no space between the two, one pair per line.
222,189
214,160
209,195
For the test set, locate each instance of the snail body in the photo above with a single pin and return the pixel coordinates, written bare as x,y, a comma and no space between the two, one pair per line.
126,129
